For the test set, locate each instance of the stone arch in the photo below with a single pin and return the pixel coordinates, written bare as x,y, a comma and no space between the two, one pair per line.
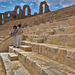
41,7
28,10
7,14
15,10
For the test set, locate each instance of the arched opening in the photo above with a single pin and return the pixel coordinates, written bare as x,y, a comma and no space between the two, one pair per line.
18,11
43,10
8,15
2,20
26,11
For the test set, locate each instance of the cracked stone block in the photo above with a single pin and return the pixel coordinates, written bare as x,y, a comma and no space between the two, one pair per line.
26,48
12,56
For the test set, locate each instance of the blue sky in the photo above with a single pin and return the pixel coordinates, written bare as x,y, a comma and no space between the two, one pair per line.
8,5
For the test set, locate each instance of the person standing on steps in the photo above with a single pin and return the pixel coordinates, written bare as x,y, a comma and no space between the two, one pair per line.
13,34
19,35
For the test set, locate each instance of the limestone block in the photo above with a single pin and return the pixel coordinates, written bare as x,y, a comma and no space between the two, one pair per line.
62,39
49,40
10,50
24,36
38,40
70,59
40,49
26,48
50,33
73,30
71,20
12,56
62,52
34,28
55,39
44,50
64,23
35,47
72,40
53,71
29,44
29,38
53,53
28,61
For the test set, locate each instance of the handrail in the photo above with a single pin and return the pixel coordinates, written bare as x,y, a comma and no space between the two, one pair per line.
5,39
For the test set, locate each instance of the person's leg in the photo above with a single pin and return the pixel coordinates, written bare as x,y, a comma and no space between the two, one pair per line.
14,41
17,40
20,40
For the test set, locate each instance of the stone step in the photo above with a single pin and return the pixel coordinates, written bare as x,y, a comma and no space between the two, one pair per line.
42,27
38,64
1,71
38,40
12,56
65,30
61,39
62,54
58,39
26,48
12,67
29,37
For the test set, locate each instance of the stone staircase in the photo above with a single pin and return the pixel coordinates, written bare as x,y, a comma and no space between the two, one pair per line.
39,59
47,49
40,63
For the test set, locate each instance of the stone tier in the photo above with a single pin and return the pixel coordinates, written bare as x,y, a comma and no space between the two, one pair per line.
58,39
38,64
62,54
12,67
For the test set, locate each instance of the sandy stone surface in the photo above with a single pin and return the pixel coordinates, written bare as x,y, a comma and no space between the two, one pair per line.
13,67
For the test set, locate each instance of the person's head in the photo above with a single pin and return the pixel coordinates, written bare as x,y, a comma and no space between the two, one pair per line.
14,27
19,25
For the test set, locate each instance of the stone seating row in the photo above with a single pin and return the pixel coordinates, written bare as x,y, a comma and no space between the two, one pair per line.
62,54
38,64
58,39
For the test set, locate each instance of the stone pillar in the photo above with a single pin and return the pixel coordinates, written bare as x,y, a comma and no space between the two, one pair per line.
28,10
41,7
47,9
41,10
4,18
18,16
0,18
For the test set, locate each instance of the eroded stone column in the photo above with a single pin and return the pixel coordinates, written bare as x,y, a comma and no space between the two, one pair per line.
28,10
18,16
0,18
41,7
4,18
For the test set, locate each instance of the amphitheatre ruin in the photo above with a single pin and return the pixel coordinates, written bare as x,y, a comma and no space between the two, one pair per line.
48,42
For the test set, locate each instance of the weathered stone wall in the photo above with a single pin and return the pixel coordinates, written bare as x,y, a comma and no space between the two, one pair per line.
0,19
4,45
15,16
37,18
41,8
54,16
